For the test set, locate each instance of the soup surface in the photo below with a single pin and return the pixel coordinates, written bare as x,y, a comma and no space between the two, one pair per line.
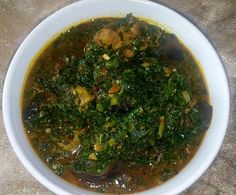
115,105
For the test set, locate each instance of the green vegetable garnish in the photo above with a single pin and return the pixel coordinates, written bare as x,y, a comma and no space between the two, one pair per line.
116,105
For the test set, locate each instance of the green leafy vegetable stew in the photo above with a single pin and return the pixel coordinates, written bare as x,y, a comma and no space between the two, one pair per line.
115,105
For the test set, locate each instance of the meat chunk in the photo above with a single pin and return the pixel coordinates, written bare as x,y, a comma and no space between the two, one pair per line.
107,37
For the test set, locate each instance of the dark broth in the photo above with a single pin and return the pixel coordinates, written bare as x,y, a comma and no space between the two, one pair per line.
115,105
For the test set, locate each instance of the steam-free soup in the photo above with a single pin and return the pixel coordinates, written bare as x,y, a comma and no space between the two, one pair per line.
115,105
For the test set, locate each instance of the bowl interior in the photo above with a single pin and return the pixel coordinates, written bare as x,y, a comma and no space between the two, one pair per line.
83,10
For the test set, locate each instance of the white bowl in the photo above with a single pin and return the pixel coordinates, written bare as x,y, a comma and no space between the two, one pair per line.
82,10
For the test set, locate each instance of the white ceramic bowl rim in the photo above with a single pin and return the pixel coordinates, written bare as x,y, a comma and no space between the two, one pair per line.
186,31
